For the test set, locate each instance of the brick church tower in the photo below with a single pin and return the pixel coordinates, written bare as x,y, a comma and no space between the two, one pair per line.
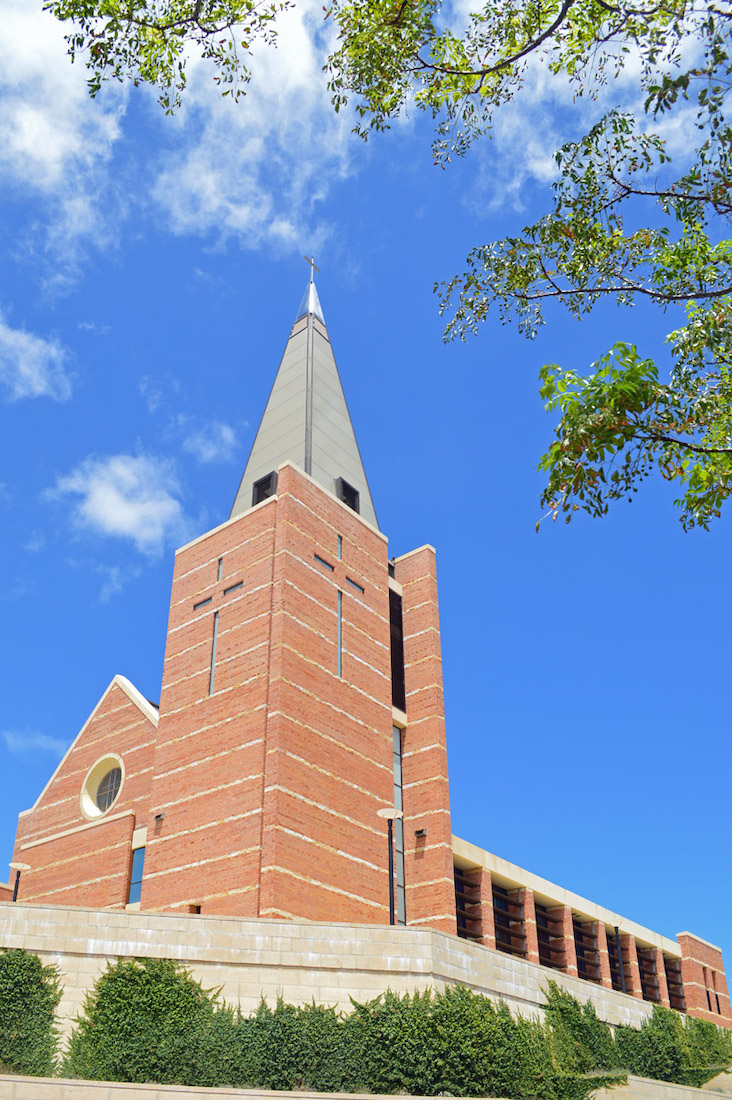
301,695
301,707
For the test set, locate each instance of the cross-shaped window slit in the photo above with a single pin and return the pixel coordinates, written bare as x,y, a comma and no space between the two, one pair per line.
214,639
339,597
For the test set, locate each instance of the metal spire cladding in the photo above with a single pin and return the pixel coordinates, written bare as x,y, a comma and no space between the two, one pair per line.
306,420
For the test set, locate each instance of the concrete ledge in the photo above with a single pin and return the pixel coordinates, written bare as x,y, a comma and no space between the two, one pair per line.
53,1088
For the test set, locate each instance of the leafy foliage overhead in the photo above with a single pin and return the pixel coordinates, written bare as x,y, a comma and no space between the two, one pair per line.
149,41
624,224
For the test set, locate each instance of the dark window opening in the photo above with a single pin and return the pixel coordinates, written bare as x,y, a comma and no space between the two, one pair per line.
467,904
392,569
357,586
233,587
202,603
348,494
322,561
108,789
674,983
550,934
648,975
138,864
508,916
616,974
264,488
194,908
398,686
585,945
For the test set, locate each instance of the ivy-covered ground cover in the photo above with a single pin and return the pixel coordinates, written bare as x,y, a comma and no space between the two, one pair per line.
150,1021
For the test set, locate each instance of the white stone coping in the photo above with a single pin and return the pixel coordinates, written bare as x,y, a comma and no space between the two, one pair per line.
509,874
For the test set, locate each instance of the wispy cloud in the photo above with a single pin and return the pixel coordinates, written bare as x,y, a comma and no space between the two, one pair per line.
31,366
54,141
258,171
94,328
29,744
115,579
215,442
125,496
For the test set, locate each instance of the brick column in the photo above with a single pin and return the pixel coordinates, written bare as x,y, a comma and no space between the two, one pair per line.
630,963
532,940
563,914
661,977
488,939
602,954
696,955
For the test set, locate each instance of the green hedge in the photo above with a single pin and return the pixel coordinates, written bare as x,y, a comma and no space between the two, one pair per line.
29,995
150,1021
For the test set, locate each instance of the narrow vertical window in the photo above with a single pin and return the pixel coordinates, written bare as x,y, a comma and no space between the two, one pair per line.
213,652
340,632
138,863
340,547
220,569
398,688
401,913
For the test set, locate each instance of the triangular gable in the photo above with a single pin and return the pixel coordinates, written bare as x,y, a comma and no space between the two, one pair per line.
147,709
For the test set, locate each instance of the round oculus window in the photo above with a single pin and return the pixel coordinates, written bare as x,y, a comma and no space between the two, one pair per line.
108,789
102,786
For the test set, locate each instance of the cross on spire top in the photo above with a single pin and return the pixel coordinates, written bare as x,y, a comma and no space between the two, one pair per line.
311,260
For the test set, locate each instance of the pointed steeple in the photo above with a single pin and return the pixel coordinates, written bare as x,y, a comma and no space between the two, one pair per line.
306,420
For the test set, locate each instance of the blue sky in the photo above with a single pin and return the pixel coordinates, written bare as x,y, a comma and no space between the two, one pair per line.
149,273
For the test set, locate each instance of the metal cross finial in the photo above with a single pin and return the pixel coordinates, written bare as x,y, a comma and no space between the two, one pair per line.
311,260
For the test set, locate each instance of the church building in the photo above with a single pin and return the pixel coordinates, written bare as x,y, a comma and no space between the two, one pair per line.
296,766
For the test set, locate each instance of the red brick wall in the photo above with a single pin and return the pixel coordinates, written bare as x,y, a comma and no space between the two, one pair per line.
430,887
74,861
271,785
328,763
705,984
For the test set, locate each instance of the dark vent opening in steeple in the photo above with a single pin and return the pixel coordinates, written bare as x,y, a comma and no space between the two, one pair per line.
348,494
264,488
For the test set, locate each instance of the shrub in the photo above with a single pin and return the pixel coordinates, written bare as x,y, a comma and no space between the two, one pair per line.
29,995
581,1043
669,1047
291,1047
149,1020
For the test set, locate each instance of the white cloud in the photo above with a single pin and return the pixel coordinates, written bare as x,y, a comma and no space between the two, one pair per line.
31,366
54,140
215,442
258,170
126,496
29,744
115,579
35,543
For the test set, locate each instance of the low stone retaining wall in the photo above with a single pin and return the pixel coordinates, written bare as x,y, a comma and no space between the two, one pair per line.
49,1088
299,961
